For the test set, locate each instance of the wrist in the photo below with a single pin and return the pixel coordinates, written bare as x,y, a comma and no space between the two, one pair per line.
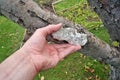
20,65
27,58
33,59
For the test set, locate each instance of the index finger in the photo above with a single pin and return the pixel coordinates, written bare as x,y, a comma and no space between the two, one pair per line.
51,29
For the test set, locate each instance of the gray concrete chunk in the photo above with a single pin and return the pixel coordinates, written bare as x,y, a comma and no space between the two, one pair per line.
71,36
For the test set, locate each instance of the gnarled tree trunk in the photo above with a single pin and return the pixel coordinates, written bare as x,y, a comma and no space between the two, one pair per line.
28,14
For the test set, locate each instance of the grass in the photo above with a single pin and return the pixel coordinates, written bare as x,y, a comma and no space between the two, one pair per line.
64,4
74,67
77,67
11,36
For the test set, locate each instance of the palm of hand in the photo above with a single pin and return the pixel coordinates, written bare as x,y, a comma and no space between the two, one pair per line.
46,55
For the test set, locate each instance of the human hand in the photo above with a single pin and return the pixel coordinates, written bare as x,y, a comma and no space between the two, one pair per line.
43,54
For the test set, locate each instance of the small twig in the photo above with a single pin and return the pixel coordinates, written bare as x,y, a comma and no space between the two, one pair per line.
54,4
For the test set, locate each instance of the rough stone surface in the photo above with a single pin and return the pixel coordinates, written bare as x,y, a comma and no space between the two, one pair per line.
71,36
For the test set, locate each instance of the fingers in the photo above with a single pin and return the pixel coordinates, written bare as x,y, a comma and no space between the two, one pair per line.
51,29
68,51
57,46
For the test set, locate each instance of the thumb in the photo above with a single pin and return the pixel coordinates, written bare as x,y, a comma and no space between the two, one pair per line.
51,29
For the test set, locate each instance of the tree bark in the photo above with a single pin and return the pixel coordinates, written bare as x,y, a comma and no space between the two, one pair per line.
109,12
28,14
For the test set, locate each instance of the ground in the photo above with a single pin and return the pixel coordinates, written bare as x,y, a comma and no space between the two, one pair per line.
74,67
